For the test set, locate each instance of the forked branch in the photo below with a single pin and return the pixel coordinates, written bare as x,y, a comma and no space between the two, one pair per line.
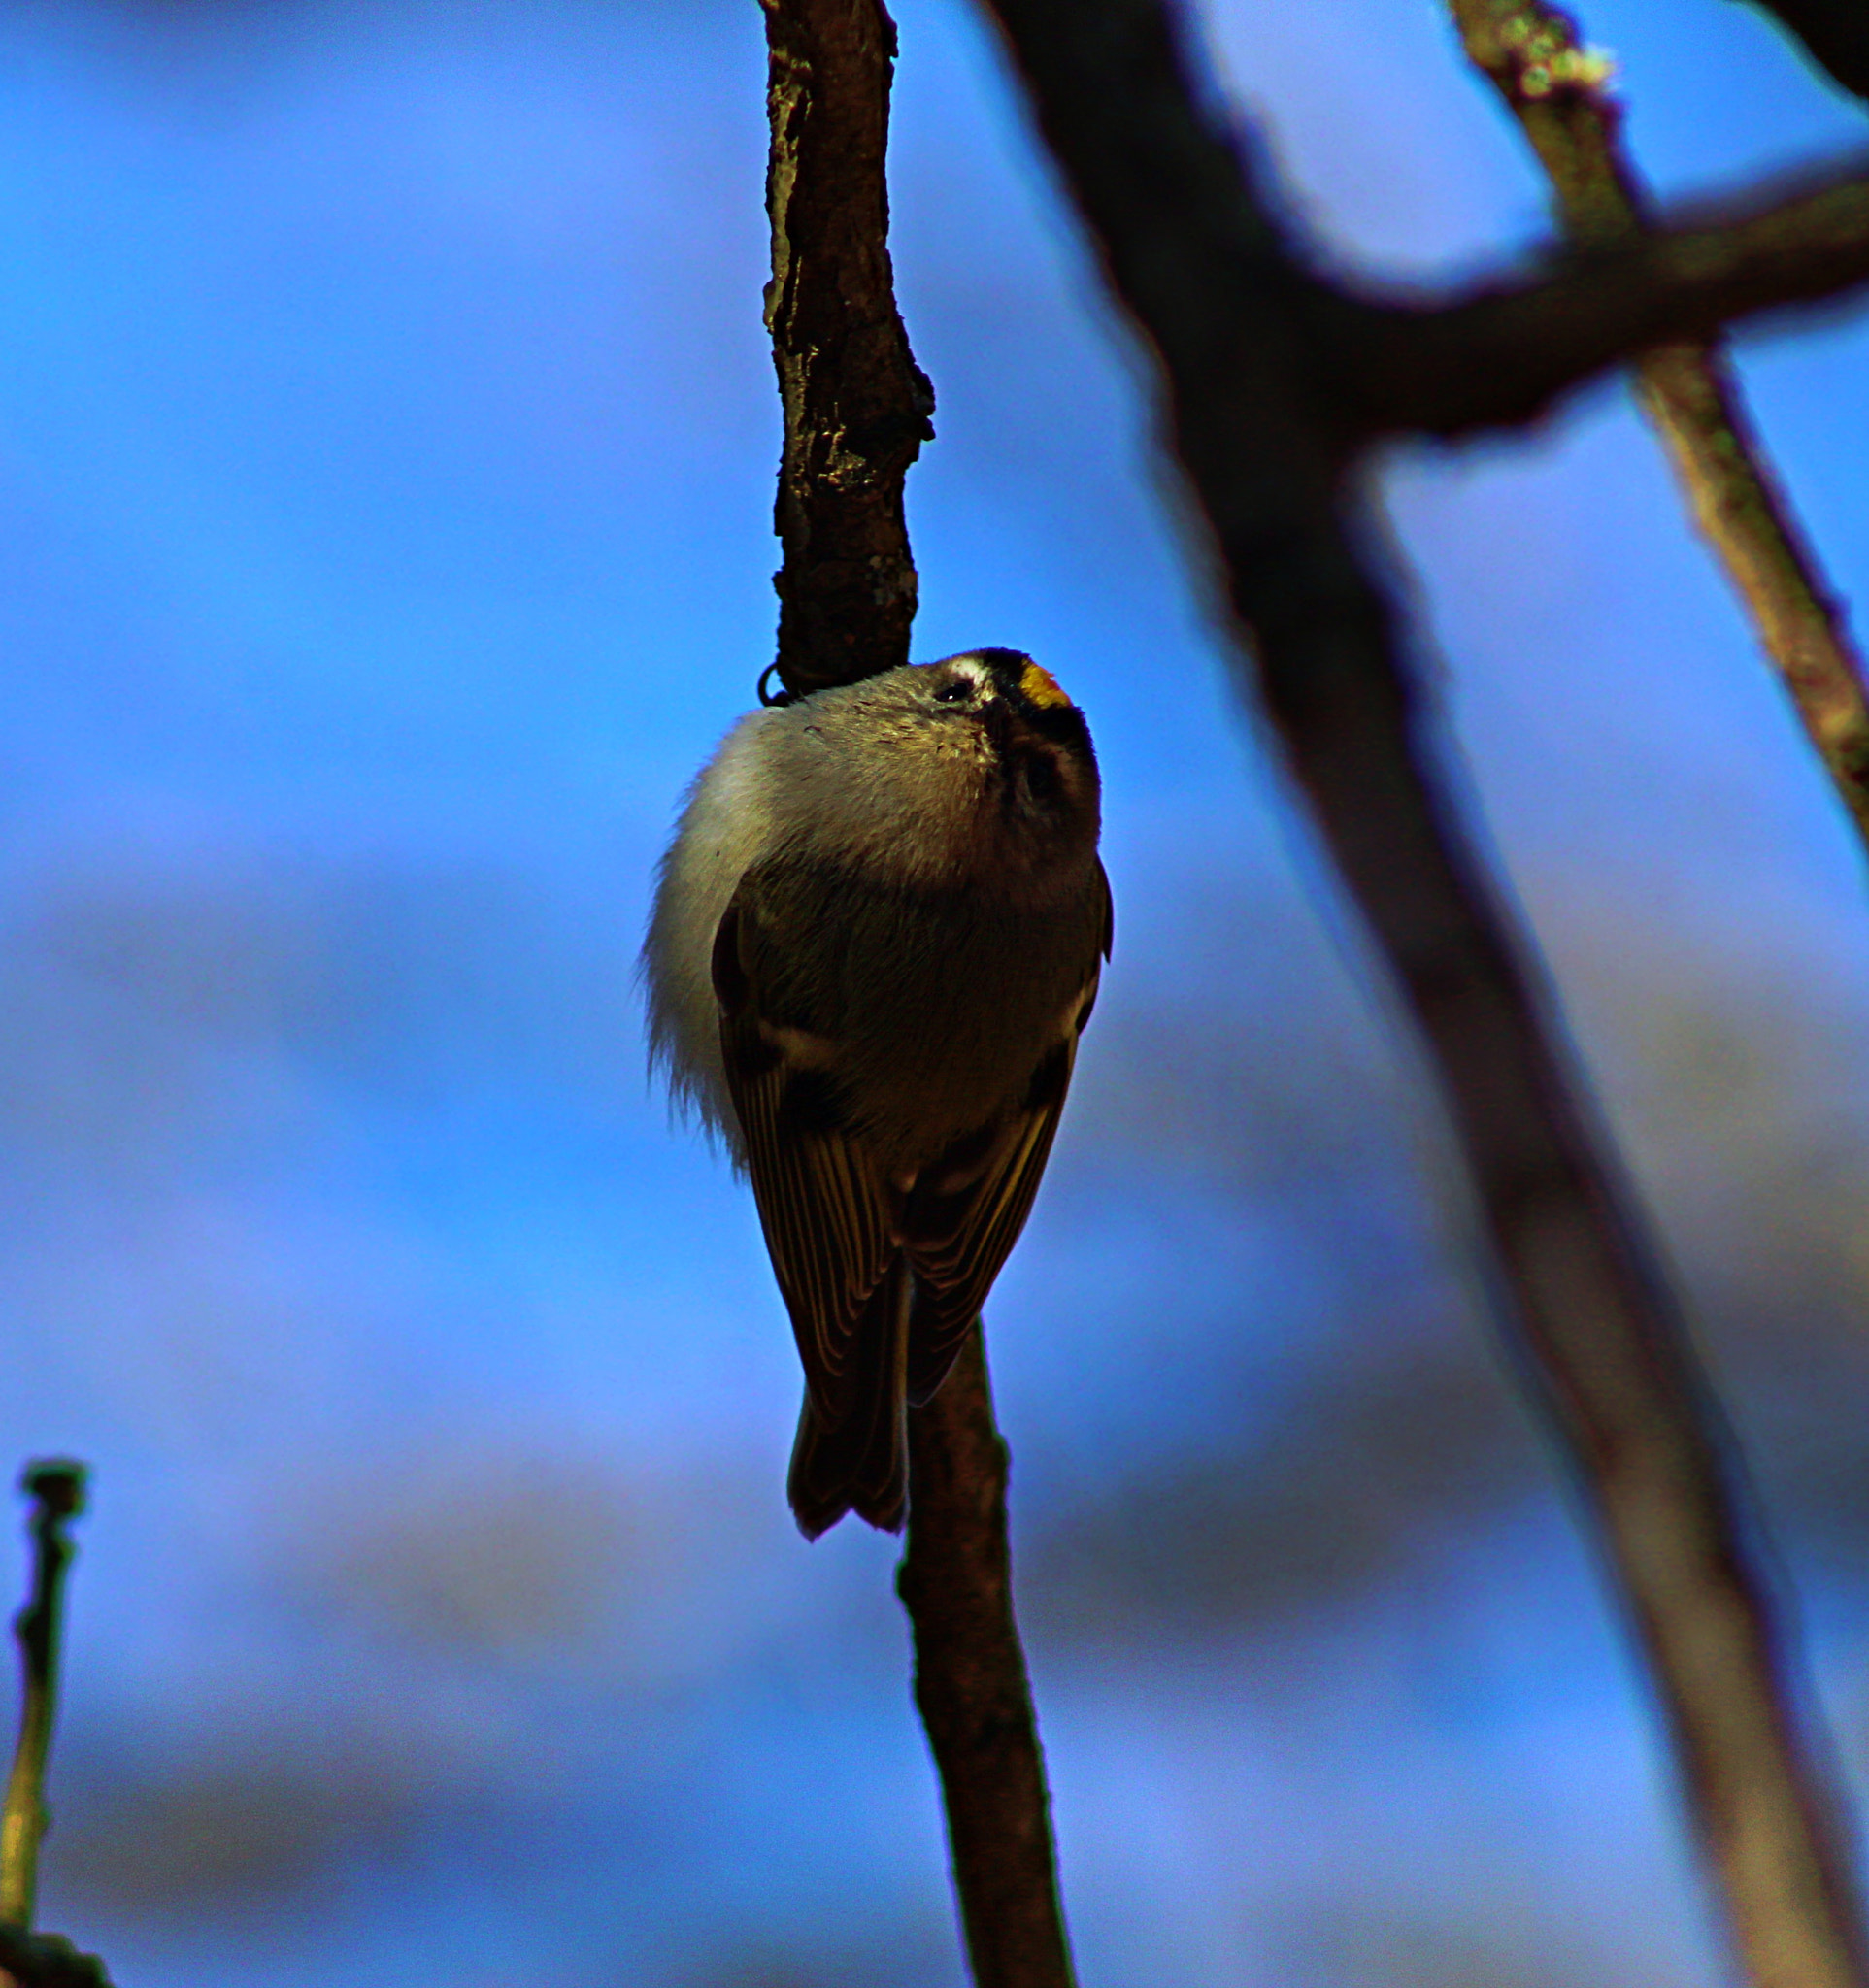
1502,353
1192,250
1556,88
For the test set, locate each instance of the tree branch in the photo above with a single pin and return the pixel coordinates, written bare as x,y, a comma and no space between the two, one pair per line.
57,1492
1500,355
857,408
970,1684
1189,249
1833,33
856,411
1555,89
46,1960
29,1959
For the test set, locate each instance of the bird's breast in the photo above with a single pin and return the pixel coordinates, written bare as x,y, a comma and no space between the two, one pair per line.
941,1004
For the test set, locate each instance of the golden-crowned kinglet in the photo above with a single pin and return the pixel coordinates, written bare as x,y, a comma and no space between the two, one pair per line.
876,939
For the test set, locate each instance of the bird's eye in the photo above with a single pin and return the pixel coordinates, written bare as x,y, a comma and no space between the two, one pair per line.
957,690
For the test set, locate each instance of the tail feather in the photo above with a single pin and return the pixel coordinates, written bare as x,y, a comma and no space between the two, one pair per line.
933,1349
861,1464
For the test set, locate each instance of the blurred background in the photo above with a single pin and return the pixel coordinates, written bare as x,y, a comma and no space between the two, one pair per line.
387,439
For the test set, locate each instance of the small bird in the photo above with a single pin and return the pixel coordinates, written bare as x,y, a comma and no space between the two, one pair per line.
875,940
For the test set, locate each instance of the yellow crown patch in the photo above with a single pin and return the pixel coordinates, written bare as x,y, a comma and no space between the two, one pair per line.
1039,688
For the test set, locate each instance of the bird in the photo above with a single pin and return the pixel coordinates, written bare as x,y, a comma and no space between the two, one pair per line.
877,937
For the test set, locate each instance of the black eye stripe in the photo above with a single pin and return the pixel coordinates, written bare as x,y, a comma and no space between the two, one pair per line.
957,691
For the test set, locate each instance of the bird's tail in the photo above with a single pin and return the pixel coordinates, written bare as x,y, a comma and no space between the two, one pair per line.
861,1464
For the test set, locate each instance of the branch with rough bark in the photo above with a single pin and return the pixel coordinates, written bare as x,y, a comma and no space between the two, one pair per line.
1556,88
857,408
1256,417
856,411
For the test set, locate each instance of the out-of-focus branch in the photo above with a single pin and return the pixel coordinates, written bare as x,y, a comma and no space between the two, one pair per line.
1354,366
856,411
1500,355
56,1489
1834,33
45,1960
29,1959
1555,88
1191,251
971,1686
857,408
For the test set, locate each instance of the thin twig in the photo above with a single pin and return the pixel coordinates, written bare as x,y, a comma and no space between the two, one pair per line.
56,1488
856,411
1194,254
1556,90
970,1683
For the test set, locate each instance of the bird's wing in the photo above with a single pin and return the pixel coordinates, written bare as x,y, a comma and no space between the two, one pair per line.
966,1211
827,1215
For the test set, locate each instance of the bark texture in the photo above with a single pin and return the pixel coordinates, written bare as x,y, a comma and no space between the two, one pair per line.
856,410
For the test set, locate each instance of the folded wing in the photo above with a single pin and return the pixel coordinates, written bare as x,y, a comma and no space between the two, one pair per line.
827,1217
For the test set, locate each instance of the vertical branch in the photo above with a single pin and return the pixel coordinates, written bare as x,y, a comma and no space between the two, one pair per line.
857,408
57,1491
856,411
1257,416
29,1959
1555,89
970,1683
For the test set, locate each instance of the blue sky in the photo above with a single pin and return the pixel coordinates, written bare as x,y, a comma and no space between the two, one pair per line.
386,451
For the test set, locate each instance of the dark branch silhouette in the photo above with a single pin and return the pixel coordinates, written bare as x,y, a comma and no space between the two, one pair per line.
1193,252
1833,33
45,1960
39,1960
1531,55
56,1489
1502,354
856,411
